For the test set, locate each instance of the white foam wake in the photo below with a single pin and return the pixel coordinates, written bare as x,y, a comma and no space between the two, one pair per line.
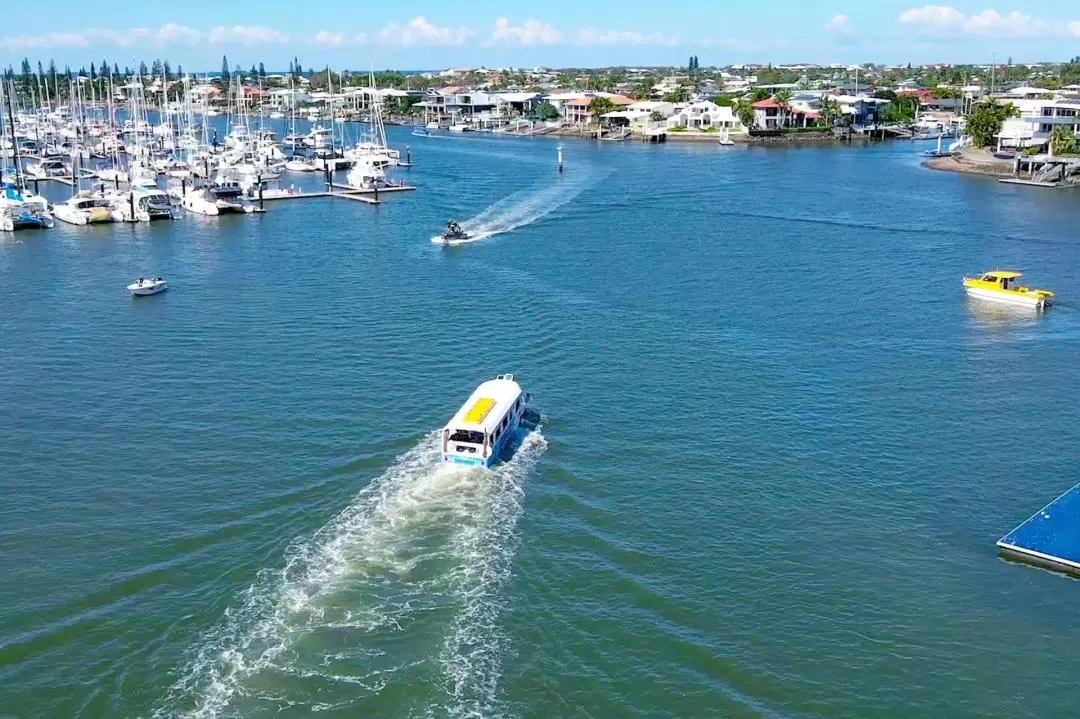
363,576
473,649
524,207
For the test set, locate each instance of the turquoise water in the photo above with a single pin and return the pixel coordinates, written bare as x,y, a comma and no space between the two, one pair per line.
778,447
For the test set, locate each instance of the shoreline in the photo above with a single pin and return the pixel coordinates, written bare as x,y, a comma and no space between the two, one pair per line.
969,167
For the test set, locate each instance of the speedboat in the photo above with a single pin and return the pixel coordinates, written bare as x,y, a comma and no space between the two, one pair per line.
487,423
997,286
147,286
454,233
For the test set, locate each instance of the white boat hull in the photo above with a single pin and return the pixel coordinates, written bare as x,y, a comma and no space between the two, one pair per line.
144,290
1007,298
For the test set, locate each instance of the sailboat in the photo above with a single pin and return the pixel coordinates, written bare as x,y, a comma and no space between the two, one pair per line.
19,208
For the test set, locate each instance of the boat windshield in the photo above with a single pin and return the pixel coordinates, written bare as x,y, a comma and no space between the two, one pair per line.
465,435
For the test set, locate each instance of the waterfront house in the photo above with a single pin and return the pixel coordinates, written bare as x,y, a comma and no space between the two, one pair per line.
1038,118
772,115
704,115
579,111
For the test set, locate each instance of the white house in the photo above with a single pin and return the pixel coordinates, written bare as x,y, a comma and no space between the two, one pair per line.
704,114
1037,120
648,107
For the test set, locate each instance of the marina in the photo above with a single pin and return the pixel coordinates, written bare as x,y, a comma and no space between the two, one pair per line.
267,458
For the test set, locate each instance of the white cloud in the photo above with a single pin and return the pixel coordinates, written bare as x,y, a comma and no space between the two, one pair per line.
838,23
531,32
248,35
49,39
942,19
168,34
419,31
592,36
338,39
178,33
938,16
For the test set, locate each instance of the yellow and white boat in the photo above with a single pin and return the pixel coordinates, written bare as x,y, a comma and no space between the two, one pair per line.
999,286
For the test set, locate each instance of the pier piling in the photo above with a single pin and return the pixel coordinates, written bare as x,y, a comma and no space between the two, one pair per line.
558,151
408,154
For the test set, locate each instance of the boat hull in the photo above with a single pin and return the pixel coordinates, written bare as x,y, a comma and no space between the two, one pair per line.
139,291
1008,298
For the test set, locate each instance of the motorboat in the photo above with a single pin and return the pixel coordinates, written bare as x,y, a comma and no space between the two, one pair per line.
217,199
998,286
85,208
145,204
178,169
48,167
487,424
365,176
454,233
147,286
277,115
300,163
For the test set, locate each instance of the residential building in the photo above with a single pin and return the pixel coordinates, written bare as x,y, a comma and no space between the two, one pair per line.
704,115
772,115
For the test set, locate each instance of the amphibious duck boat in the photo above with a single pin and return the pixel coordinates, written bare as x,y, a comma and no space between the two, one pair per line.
486,423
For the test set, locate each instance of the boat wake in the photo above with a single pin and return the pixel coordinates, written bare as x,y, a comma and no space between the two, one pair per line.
421,555
522,208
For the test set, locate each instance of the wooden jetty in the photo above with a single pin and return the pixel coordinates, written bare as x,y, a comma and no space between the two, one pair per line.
370,196
1050,538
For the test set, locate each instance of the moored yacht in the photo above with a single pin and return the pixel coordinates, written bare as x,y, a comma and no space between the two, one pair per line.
486,424
365,175
85,208
217,199
21,209
145,204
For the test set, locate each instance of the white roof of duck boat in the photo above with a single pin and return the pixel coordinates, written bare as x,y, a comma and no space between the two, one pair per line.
487,404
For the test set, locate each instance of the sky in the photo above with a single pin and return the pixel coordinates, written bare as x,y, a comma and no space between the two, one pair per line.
423,34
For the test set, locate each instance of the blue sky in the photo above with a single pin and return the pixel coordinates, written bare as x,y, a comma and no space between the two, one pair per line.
424,34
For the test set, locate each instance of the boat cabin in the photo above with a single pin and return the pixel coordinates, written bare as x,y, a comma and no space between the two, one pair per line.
1001,278
485,424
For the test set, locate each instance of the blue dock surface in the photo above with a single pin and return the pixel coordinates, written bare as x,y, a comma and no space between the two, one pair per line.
1051,538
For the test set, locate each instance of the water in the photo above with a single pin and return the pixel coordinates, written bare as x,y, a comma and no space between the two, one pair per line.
777,449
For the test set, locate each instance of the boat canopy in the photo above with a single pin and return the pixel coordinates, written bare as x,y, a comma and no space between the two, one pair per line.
486,407
1004,274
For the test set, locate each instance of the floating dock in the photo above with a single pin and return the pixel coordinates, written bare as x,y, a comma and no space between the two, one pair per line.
1050,538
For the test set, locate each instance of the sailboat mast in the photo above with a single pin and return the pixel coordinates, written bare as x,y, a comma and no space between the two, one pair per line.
14,147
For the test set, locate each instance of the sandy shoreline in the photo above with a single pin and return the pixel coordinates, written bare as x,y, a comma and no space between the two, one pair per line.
959,164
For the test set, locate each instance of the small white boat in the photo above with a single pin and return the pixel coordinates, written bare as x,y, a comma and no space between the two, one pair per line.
300,163
277,115
147,286
486,424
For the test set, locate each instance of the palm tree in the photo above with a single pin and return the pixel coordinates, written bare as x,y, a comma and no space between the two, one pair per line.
831,111
744,108
1062,140
599,106
783,99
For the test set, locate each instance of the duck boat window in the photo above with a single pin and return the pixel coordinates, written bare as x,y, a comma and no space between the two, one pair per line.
465,435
